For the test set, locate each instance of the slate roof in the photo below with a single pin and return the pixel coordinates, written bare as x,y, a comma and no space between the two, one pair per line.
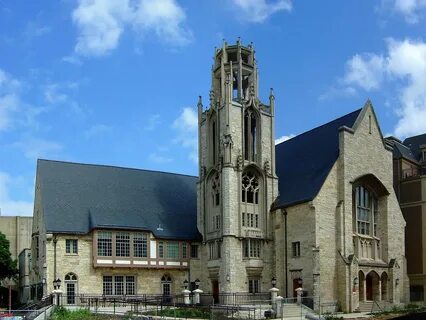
77,198
303,162
414,143
402,151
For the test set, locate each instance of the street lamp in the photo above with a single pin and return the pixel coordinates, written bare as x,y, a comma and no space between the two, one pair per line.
274,282
197,283
57,283
185,284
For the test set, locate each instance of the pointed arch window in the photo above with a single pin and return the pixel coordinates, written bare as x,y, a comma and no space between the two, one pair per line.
250,135
216,190
366,211
250,188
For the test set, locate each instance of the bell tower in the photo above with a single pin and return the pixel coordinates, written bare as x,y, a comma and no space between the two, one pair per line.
237,181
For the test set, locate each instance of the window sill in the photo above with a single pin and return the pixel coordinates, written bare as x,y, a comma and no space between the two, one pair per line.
71,254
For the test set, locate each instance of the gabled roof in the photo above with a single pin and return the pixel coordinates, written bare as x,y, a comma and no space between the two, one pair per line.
77,198
303,162
402,151
414,143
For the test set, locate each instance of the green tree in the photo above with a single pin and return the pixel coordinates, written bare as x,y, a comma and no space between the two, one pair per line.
7,265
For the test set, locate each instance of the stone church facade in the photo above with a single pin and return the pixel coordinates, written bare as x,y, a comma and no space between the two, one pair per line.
317,211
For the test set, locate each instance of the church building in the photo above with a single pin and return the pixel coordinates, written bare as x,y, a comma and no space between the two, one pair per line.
317,211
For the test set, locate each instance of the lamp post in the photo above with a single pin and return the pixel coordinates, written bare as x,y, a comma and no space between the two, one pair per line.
56,289
186,292
197,291
274,291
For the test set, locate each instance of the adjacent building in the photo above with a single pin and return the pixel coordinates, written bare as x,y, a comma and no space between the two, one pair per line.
317,211
410,186
17,230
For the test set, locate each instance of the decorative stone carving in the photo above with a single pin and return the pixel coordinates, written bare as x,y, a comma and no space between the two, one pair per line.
267,166
227,144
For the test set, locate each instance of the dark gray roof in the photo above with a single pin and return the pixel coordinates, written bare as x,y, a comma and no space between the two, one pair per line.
402,151
77,198
414,144
303,162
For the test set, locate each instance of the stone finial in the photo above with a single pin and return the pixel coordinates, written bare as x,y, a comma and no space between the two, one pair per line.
200,102
271,93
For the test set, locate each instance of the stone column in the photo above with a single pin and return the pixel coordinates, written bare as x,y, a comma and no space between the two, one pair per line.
299,292
186,293
364,289
279,307
274,294
197,293
380,289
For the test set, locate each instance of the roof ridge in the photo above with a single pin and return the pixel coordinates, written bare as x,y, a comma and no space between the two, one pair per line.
416,136
320,126
117,167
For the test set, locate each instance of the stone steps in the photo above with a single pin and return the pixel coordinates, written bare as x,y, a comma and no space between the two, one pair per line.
292,310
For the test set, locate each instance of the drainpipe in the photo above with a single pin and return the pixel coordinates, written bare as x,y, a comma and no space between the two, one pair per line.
55,240
286,253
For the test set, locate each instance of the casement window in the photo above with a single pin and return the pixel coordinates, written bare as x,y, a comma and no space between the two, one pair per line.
71,246
161,249
366,212
122,244
184,250
119,285
140,245
172,250
250,220
252,248
254,285
194,251
215,248
295,247
105,244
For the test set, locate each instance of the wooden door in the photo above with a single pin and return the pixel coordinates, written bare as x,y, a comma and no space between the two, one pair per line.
215,290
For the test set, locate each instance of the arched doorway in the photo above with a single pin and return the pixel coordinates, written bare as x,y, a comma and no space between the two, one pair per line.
361,281
71,287
372,286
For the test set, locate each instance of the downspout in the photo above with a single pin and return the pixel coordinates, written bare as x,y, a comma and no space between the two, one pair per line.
55,240
286,253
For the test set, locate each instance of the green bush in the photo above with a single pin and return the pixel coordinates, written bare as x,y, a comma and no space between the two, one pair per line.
65,314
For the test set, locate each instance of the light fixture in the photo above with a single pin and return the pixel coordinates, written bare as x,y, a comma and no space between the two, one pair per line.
355,281
197,283
185,284
228,278
274,282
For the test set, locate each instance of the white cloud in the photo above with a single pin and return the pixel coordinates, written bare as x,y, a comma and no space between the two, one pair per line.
158,158
101,23
403,65
72,59
62,94
410,9
186,126
365,71
35,148
153,122
284,138
260,10
10,101
97,130
9,206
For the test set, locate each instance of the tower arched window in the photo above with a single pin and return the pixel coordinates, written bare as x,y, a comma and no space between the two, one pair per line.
250,188
250,135
214,142
215,190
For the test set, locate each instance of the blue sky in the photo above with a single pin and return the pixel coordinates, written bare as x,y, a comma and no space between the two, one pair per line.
116,82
